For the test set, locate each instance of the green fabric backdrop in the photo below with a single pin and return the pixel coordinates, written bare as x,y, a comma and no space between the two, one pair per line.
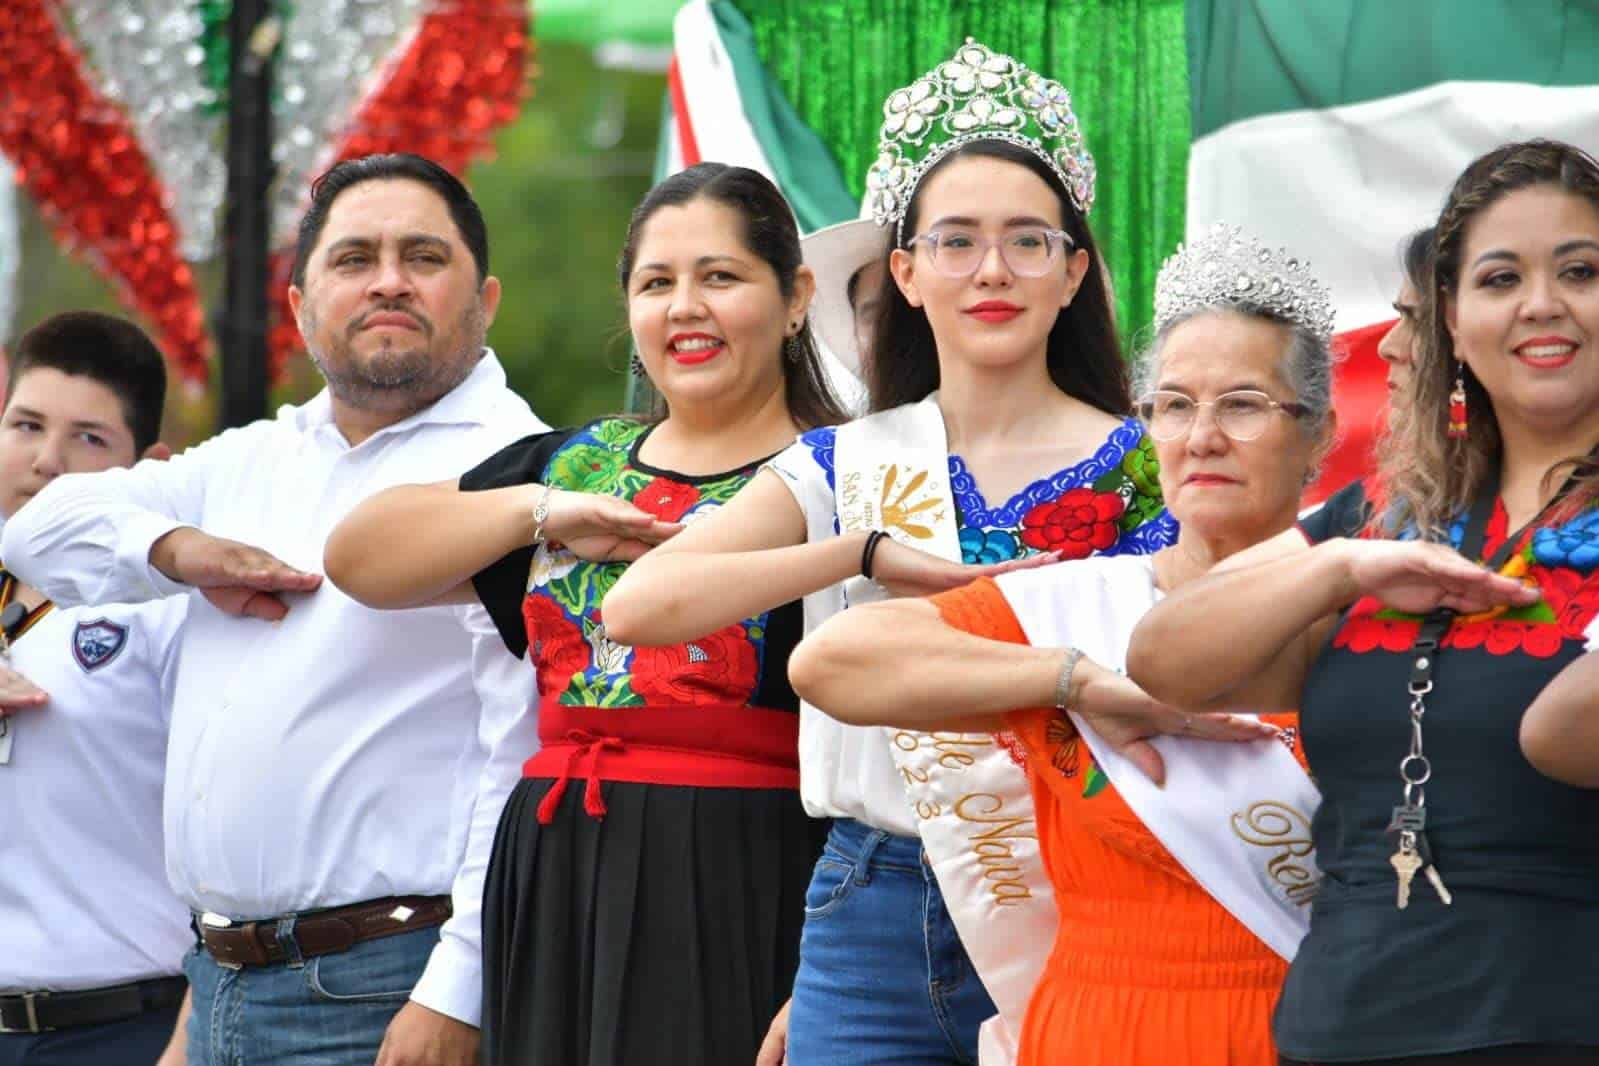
1124,62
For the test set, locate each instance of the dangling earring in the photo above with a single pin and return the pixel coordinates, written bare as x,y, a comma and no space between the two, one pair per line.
792,348
1457,404
636,365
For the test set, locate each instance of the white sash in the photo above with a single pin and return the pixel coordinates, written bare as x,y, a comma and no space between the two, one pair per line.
973,803
1236,816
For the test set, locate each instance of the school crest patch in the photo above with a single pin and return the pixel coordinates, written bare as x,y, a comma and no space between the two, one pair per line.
97,642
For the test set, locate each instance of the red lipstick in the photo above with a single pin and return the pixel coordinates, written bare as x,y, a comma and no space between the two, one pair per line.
994,311
1546,353
698,348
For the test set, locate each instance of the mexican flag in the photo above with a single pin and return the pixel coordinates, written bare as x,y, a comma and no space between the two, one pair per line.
1336,128
723,106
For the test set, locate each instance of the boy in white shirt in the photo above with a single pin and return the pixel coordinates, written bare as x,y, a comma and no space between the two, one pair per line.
91,935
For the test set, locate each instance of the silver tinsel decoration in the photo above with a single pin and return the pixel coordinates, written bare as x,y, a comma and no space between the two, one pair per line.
332,52
10,247
146,55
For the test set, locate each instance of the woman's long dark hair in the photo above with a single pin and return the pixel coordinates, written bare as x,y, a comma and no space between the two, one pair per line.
772,235
1083,355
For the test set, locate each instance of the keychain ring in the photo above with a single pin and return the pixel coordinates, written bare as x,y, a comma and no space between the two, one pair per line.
1412,776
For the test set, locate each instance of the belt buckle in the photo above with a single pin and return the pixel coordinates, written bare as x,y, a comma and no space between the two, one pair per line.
29,1001
213,920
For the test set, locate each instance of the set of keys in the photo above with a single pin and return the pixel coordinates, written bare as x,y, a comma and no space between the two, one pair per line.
1413,854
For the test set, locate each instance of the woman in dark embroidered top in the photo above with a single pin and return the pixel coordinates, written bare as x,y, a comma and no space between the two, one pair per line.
1457,915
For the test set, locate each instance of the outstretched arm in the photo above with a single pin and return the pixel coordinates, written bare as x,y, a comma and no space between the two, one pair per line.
418,544
747,557
1247,636
752,556
900,663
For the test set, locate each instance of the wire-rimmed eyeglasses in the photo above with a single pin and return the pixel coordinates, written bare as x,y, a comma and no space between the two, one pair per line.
1028,253
1242,414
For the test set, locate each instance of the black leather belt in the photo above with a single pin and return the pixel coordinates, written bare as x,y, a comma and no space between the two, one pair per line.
42,1012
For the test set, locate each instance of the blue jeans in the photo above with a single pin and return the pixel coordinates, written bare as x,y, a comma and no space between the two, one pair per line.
883,978
136,1042
331,1010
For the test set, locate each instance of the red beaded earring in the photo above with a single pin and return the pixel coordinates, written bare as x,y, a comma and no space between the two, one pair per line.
1457,404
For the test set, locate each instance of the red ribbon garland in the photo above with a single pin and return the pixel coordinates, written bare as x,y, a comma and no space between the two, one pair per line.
79,158
462,78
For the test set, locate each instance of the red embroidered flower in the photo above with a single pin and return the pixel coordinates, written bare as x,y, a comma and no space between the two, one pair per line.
1498,636
1572,596
720,668
1078,523
1363,631
555,643
666,499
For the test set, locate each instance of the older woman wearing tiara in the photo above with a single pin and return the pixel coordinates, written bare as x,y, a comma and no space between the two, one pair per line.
1178,906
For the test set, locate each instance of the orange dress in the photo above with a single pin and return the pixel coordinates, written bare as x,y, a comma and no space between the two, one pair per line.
1146,969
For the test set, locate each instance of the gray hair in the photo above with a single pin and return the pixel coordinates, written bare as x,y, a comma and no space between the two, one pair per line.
1307,362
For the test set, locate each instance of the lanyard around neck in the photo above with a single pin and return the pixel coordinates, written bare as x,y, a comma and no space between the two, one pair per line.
15,619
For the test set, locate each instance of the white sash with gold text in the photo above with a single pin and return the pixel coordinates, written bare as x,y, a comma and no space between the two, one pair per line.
1236,816
972,802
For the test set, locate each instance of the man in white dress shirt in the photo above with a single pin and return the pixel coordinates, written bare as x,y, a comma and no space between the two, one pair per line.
91,935
329,783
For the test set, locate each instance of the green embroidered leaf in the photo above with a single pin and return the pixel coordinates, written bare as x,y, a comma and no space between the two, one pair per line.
1112,480
586,468
630,482
577,692
1533,612
618,432
1143,467
1094,781
724,490
576,591
622,694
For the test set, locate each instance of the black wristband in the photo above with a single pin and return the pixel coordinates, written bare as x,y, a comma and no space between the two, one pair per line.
873,539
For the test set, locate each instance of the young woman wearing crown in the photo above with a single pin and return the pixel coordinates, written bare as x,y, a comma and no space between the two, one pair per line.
1000,439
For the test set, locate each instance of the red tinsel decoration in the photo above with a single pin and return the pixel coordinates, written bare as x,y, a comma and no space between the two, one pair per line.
80,160
462,78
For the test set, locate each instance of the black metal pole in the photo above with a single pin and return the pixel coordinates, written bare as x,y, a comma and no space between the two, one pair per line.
247,221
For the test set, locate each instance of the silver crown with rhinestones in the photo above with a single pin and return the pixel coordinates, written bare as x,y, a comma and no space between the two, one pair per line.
977,95
1227,266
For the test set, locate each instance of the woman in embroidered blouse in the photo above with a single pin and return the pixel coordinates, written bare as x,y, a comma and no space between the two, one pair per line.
1146,968
1487,968
992,298
651,911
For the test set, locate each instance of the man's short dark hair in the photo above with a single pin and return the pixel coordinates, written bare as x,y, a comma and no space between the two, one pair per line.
106,349
397,166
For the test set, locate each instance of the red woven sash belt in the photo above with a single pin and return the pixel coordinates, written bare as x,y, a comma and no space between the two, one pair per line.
696,745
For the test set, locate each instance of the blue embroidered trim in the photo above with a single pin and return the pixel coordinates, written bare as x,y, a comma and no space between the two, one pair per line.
1159,532
976,512
821,442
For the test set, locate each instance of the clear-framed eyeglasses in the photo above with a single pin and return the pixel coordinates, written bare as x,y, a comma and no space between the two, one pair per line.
1242,414
1028,253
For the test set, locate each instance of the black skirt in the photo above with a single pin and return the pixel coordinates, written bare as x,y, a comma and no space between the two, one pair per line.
667,933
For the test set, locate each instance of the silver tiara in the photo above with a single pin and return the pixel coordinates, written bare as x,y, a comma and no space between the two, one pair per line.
978,95
1228,267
